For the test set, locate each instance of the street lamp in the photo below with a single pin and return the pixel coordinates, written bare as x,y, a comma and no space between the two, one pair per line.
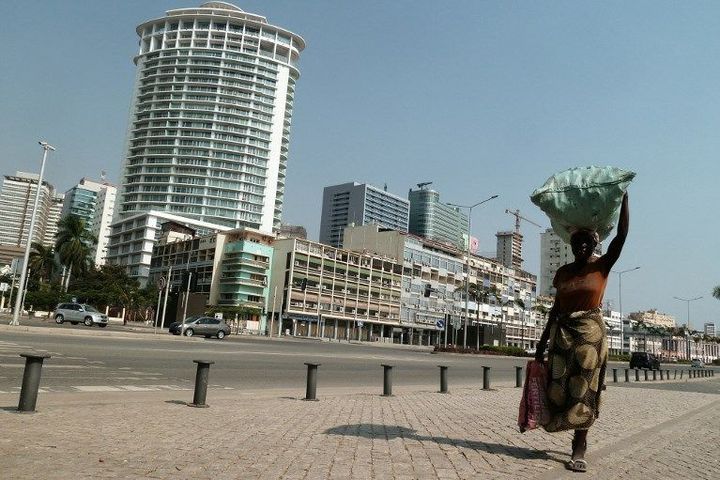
467,261
622,324
23,272
687,333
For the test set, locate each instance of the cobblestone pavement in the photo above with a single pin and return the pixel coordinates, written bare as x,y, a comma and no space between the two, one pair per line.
417,434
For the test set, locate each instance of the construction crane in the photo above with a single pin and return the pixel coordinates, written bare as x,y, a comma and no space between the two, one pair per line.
517,216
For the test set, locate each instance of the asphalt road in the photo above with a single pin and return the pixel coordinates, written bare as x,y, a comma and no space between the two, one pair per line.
102,361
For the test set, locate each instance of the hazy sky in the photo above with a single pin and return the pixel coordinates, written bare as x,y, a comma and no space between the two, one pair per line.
478,97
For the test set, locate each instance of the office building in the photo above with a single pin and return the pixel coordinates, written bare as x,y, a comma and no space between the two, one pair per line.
16,204
210,123
434,220
360,204
94,203
709,329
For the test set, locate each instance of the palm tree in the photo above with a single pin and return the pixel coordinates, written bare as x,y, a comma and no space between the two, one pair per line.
74,244
716,292
42,261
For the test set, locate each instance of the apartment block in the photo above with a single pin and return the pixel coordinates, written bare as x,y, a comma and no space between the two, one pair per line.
16,205
328,292
94,202
229,269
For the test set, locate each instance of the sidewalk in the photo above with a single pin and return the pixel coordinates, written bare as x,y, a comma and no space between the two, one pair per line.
643,432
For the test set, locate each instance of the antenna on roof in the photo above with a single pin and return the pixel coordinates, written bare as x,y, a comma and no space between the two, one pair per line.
103,175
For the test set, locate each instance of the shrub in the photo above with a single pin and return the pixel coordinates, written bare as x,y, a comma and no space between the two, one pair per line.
485,350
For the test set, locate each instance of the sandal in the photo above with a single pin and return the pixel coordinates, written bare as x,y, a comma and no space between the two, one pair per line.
579,465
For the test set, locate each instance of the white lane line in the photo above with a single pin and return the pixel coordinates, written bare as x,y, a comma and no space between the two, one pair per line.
97,388
76,367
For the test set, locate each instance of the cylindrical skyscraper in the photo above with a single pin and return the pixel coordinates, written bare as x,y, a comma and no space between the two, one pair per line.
209,128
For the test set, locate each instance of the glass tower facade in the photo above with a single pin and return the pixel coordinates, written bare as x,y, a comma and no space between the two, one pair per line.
210,124
437,221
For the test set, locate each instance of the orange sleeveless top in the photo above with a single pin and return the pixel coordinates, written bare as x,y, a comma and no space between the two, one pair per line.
580,290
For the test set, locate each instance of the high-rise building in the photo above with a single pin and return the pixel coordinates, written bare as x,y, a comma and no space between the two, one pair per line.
16,204
94,202
210,123
509,248
360,204
709,329
435,220
554,253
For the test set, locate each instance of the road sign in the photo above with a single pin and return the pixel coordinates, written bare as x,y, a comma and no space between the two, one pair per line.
161,283
440,324
360,324
4,287
455,322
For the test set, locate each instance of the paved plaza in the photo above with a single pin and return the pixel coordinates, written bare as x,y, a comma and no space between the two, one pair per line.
667,430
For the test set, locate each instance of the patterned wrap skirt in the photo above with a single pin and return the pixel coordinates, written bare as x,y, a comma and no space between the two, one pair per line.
577,359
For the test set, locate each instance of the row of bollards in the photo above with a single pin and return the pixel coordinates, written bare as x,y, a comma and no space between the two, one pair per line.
34,362
664,374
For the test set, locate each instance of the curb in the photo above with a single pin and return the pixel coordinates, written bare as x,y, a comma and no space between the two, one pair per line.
95,333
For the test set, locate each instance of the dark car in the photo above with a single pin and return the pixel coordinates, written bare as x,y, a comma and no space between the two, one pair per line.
644,360
201,325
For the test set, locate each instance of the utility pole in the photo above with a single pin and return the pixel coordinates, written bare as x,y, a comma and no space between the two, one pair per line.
167,291
187,298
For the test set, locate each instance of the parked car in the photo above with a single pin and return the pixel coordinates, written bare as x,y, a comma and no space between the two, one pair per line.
696,363
644,360
201,325
79,312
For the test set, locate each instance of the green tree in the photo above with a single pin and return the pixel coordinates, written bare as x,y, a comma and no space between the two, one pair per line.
74,245
42,261
45,297
716,292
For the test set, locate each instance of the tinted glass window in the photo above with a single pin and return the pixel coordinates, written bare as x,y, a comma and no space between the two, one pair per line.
214,321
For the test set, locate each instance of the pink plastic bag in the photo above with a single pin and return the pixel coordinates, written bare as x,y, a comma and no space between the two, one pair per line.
533,405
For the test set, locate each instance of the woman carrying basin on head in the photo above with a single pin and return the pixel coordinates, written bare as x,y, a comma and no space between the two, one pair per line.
577,353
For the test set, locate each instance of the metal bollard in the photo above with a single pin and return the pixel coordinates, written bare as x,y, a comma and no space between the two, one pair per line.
681,373
201,383
667,372
646,375
311,388
662,375
637,375
443,379
675,376
387,380
486,378
31,381
518,377
614,375
654,374
627,375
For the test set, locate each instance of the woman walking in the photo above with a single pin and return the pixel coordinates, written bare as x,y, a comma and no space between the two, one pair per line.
577,353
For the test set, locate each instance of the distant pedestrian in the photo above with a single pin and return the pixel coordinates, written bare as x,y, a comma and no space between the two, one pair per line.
577,354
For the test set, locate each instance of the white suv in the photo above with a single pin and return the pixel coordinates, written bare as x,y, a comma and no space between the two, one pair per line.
79,312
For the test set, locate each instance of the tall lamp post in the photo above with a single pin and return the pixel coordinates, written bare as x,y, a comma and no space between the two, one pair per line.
622,323
467,261
687,333
23,272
